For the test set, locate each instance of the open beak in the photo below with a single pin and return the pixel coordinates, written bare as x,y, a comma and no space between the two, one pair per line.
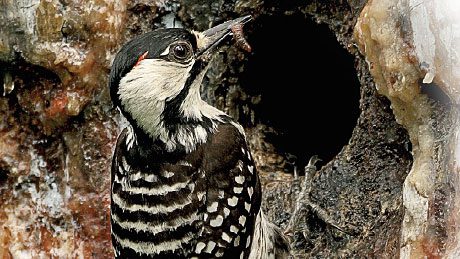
208,40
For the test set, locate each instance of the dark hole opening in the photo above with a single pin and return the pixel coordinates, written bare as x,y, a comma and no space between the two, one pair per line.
308,86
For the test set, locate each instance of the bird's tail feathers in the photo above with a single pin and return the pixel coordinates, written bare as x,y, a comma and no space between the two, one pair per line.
268,240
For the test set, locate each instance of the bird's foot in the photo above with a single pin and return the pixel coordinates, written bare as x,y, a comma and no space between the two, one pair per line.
301,192
303,204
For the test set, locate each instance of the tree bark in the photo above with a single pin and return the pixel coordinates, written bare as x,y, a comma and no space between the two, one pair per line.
390,191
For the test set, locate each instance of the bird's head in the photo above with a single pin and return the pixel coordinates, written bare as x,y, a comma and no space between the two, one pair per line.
155,78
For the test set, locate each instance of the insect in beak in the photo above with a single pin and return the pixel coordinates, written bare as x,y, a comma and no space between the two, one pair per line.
210,39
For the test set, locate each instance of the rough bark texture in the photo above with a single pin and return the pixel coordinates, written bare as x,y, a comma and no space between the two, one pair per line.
58,128
410,69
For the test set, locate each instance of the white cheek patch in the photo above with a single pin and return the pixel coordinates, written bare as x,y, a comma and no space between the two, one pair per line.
146,88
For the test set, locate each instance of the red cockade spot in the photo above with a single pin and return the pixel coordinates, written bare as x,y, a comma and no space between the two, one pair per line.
142,57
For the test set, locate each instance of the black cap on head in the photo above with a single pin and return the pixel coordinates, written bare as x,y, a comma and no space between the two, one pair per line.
154,42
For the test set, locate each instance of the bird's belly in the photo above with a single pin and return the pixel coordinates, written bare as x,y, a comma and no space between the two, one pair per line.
153,218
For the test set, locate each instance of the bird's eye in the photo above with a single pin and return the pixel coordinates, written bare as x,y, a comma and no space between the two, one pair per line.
181,52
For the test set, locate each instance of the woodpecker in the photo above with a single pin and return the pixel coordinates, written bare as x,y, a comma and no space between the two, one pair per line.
183,181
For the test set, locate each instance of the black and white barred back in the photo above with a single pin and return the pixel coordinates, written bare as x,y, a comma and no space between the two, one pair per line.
202,203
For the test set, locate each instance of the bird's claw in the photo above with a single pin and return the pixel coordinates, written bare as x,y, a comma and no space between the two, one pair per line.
313,160
303,205
301,194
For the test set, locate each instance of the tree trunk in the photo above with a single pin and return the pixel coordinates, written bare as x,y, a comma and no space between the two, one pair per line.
357,83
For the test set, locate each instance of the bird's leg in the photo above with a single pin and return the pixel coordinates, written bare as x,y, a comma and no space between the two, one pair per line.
296,222
304,205
295,186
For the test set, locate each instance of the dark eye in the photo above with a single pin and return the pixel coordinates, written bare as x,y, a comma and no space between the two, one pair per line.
181,51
